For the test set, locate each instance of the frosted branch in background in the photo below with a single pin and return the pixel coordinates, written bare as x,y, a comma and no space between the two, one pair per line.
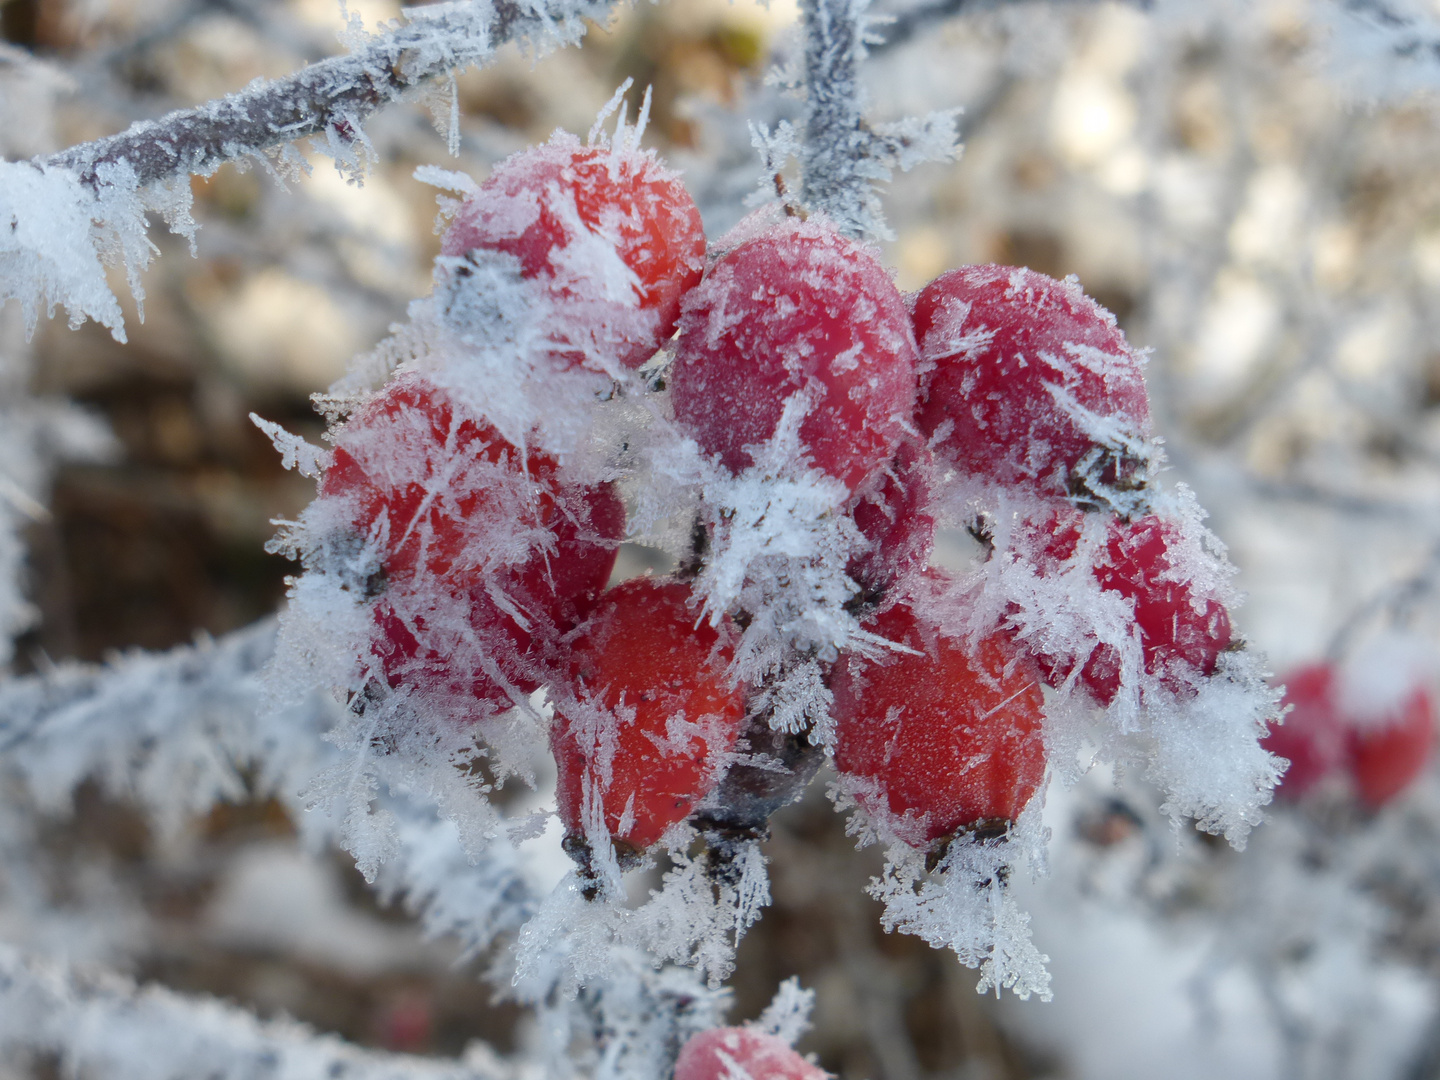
74,213
104,1025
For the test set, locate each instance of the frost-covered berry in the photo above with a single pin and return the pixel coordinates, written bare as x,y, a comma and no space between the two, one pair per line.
1341,724
484,555
891,512
1313,736
1182,631
797,309
643,729
943,739
740,1053
612,230
1026,380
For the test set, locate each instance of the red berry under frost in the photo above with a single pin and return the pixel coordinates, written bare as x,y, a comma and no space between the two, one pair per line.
1180,630
643,730
797,308
612,230
486,554
945,739
1026,380
891,512
738,1053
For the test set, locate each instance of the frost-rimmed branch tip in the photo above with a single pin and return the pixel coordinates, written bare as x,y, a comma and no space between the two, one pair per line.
330,98
76,212
842,156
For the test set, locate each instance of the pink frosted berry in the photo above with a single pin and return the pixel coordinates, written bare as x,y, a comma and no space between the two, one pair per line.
739,1053
1026,380
797,308
614,232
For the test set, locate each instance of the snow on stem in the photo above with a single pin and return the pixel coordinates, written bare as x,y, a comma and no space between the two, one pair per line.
102,1024
330,98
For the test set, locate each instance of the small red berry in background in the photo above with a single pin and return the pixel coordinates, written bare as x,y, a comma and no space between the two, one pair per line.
644,726
949,735
739,1053
1141,563
797,308
1026,380
1313,737
1388,752
1382,747
602,223
487,553
891,512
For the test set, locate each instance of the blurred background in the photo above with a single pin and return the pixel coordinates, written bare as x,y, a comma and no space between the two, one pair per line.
1251,187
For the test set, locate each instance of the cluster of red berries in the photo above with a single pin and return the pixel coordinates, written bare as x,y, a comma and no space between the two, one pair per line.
488,562
1379,748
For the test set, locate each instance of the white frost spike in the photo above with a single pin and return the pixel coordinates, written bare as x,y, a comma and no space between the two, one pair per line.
788,1014
295,452
964,905
47,251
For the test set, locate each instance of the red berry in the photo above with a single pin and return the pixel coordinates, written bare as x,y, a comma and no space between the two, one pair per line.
797,308
738,1053
891,513
951,737
1313,736
1324,733
567,211
644,730
488,555
1026,380
1389,752
1140,562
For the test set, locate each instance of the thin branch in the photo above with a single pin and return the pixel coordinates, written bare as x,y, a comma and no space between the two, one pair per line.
98,1023
835,140
332,97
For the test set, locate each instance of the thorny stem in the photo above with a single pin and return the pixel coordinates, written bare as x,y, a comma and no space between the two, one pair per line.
333,96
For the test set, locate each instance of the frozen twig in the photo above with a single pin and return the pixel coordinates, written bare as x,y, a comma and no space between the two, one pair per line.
330,98
101,1024
841,155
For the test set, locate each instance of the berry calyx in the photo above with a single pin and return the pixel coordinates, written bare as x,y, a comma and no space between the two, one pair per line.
796,309
486,555
730,1053
1182,633
643,728
1026,380
945,738
613,232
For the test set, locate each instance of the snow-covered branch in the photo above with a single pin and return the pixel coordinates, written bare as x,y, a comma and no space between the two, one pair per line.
842,156
331,98
102,1024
